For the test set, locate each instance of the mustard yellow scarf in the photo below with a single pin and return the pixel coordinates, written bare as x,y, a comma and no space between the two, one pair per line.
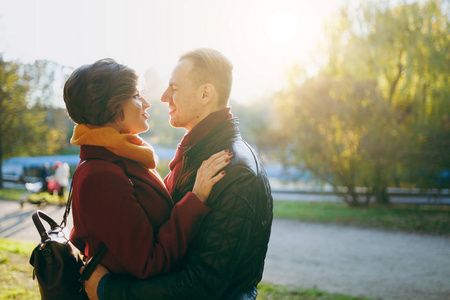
126,145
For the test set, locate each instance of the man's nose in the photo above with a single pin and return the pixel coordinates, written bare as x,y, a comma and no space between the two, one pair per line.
166,96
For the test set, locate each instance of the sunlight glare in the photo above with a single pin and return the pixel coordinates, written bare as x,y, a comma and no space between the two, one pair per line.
282,26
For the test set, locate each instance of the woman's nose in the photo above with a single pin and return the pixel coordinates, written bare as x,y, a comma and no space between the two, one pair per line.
145,103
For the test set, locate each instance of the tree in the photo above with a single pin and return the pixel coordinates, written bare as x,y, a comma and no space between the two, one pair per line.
405,49
10,88
24,125
378,103
339,130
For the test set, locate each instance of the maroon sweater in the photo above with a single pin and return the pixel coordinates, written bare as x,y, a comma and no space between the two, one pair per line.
117,201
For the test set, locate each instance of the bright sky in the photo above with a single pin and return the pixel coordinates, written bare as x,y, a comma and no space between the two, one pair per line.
262,38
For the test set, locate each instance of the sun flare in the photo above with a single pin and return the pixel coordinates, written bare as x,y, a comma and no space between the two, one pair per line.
282,26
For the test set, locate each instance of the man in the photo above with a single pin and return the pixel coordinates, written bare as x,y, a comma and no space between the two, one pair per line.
226,258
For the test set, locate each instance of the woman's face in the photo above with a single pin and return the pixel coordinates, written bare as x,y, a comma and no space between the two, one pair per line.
135,116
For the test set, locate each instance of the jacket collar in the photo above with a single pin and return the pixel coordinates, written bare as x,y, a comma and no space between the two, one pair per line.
225,131
97,152
217,140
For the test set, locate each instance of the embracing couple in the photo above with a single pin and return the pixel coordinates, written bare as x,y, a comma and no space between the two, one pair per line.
203,231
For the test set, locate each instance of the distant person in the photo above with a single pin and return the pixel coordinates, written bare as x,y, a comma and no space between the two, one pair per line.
44,173
226,258
118,197
61,176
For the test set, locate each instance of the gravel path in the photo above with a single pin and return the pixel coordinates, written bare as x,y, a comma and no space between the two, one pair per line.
360,262
353,261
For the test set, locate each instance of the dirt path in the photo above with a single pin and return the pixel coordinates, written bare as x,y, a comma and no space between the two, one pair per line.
347,260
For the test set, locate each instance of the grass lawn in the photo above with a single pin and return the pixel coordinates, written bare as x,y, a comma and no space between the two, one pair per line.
404,217
16,195
16,280
269,292
11,194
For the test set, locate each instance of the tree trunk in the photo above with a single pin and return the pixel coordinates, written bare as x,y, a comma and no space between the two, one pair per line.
381,196
379,188
353,201
368,195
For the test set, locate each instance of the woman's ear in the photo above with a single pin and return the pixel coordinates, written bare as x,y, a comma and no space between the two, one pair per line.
208,93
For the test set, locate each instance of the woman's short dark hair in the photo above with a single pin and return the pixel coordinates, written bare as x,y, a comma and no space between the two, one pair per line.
94,93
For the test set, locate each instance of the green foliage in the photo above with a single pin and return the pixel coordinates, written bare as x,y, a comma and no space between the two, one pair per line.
342,131
26,132
409,218
28,123
405,48
378,113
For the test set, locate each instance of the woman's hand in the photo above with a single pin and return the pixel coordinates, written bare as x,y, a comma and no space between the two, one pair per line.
208,174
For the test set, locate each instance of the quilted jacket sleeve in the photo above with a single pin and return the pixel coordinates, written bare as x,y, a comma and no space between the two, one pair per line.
216,252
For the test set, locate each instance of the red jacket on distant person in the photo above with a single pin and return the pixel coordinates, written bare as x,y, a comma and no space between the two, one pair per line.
119,202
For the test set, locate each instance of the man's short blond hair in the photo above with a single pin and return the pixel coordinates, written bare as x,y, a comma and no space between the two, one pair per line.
211,66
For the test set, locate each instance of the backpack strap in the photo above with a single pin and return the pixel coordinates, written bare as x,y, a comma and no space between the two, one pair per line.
69,200
94,261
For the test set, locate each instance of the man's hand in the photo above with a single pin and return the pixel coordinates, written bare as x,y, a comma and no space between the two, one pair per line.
90,286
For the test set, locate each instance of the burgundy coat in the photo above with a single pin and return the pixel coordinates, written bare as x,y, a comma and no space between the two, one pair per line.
119,202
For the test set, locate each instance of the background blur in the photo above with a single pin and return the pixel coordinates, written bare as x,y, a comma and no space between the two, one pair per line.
351,95
346,102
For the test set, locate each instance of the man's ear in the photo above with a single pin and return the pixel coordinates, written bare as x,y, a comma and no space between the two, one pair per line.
208,92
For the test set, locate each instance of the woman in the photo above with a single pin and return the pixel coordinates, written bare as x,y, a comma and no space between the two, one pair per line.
61,176
118,197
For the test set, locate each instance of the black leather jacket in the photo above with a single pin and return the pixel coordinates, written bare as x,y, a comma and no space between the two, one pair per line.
226,257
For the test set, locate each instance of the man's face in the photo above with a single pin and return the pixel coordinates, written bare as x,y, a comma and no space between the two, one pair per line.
183,98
